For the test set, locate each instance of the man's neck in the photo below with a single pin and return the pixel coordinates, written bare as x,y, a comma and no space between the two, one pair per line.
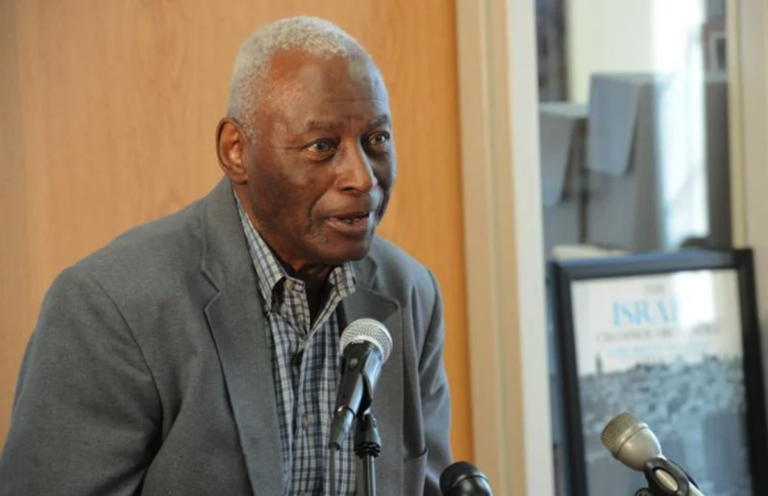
315,279
313,275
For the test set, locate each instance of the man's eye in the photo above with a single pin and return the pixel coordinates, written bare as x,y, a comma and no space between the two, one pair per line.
378,139
322,146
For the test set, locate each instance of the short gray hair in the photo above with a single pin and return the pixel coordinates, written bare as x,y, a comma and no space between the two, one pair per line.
311,35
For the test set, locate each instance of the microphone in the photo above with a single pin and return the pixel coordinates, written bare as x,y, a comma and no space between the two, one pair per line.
365,345
464,479
634,444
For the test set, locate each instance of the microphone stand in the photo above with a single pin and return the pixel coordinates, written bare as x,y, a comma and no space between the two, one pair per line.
666,478
367,448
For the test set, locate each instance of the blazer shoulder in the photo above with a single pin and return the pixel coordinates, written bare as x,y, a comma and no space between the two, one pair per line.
145,256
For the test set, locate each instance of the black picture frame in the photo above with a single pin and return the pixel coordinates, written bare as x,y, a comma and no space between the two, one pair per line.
563,275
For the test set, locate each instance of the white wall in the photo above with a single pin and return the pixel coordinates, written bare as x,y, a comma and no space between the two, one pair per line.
606,35
631,36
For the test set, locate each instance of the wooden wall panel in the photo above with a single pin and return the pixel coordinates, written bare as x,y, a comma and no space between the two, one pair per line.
16,305
109,113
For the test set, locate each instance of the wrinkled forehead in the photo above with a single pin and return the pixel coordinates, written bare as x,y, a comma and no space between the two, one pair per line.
298,83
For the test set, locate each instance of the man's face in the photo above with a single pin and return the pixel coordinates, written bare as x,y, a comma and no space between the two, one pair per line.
322,164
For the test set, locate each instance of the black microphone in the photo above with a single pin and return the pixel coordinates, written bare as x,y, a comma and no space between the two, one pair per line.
635,445
365,346
464,479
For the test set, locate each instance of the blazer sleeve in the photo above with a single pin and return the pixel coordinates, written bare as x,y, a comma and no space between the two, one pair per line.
86,415
435,397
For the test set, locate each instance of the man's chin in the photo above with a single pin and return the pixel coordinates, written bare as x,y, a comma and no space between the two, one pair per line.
348,250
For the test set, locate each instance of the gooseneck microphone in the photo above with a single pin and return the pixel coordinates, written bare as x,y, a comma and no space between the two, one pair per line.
464,479
365,345
634,444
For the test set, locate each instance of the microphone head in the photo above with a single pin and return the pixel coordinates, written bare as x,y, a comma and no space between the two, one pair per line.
367,330
464,479
630,441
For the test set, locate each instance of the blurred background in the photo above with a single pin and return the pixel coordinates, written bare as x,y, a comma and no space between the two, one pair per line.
639,148
643,88
634,140
528,131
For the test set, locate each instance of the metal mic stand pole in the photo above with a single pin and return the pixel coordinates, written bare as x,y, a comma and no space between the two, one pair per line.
367,448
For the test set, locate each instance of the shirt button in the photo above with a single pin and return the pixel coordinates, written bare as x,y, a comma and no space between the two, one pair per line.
305,421
288,285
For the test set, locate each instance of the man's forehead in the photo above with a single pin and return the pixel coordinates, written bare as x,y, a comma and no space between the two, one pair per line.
335,123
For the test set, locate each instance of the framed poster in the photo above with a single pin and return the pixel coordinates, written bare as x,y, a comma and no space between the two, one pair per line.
672,338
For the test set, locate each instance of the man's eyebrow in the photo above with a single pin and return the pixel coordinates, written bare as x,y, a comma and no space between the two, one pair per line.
379,121
322,126
316,125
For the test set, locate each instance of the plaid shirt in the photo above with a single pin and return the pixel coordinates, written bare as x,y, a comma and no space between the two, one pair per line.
305,367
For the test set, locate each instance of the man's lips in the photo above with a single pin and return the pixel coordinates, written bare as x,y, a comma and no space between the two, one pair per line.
352,222
352,215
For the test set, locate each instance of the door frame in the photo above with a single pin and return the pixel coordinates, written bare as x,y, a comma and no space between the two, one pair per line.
509,375
748,97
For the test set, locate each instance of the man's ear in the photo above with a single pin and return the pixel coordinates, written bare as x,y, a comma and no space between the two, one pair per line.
230,147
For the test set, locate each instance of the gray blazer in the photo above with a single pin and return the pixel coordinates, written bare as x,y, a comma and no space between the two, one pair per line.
149,371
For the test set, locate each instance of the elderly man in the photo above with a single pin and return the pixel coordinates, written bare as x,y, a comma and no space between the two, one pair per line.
199,354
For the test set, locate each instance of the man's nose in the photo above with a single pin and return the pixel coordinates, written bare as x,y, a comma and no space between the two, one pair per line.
357,172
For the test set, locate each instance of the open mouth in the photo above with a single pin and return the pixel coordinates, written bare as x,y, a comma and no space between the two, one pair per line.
359,221
353,218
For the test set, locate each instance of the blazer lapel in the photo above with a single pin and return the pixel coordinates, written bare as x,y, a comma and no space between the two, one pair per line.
239,331
387,405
